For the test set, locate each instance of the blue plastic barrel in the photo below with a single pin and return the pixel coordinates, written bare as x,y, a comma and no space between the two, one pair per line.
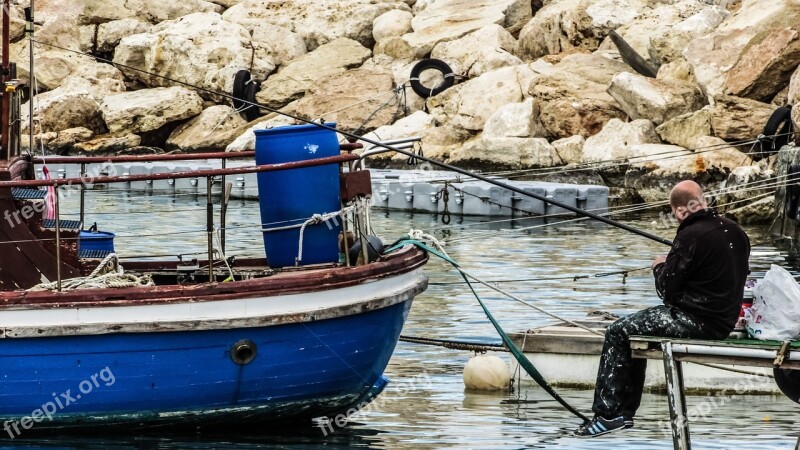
96,241
290,197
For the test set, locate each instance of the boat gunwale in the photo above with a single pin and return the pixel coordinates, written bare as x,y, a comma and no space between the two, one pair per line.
403,261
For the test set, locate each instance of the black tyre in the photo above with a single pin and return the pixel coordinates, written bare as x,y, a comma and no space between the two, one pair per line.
431,64
777,131
251,110
631,58
240,82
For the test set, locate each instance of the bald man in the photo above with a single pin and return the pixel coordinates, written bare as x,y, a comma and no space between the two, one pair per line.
701,282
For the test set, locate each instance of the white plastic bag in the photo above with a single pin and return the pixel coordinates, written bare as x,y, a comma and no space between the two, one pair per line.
775,314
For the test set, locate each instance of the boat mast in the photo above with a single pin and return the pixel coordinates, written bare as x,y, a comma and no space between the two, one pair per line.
29,29
5,107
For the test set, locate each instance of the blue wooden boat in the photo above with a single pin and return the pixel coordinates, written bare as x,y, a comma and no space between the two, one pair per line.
222,342
287,347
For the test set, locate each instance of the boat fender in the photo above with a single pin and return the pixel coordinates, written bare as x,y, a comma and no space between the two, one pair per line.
243,352
431,64
487,373
240,81
251,111
779,123
375,249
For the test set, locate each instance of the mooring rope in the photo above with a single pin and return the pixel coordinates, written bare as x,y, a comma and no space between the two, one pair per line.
414,239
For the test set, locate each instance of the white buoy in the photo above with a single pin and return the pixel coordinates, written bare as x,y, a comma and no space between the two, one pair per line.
487,373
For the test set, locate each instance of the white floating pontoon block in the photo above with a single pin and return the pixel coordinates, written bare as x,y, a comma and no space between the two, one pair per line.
400,195
528,206
485,199
137,169
593,198
562,193
428,197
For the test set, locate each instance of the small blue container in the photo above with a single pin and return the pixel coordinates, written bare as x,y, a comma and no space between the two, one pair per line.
290,197
96,241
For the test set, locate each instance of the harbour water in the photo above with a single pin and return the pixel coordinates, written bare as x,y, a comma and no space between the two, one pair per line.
426,406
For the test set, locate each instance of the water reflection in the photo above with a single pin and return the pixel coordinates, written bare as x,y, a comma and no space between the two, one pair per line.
440,414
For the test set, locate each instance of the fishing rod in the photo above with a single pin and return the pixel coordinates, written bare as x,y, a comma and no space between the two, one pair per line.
576,210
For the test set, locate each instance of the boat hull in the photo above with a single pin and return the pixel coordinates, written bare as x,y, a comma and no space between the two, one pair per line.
190,378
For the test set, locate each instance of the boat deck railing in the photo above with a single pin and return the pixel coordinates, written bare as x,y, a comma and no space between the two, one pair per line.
80,183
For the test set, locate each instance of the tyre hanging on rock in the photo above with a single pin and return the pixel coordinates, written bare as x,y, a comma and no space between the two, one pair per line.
448,78
777,132
244,93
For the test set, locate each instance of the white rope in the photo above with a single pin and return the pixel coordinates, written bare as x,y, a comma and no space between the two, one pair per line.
313,220
108,274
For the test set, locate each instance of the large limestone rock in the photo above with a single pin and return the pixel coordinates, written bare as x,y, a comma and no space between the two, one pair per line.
686,129
764,69
109,143
661,33
153,11
736,118
446,20
418,124
514,120
54,67
794,88
276,43
392,23
570,149
567,25
292,81
16,27
572,95
61,109
715,54
614,142
247,140
149,109
109,34
318,22
200,49
796,117
656,168
441,141
357,100
76,103
479,52
647,98
469,105
207,131
506,153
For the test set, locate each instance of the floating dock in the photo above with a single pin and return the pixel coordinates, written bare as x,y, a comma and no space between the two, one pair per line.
425,191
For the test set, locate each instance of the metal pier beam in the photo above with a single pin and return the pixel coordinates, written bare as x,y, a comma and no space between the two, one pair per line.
676,398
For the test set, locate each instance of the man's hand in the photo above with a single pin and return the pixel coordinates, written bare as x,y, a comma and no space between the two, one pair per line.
660,259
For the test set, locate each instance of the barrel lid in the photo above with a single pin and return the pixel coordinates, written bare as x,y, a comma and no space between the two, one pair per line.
293,129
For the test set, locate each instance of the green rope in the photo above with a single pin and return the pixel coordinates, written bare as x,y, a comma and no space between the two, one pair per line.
523,361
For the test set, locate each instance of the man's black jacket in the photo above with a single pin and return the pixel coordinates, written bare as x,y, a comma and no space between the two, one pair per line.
706,271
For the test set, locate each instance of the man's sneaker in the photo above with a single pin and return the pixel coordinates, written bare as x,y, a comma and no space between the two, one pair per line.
628,421
600,426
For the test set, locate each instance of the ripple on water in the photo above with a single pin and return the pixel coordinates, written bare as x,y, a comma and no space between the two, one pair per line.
425,406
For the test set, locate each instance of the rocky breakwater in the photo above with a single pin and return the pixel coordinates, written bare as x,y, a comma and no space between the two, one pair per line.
540,86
